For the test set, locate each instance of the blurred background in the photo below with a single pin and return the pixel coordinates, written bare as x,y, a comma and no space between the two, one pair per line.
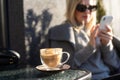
113,8
25,23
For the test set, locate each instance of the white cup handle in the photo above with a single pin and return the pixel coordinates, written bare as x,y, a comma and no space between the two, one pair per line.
68,56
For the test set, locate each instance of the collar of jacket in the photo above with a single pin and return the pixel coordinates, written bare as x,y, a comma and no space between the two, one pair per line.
63,32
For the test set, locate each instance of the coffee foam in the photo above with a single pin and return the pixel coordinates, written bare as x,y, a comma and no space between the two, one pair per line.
51,51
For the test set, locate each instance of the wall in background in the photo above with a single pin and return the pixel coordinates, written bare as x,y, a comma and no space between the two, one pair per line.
113,8
39,16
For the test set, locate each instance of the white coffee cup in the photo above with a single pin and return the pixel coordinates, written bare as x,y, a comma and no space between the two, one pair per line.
51,57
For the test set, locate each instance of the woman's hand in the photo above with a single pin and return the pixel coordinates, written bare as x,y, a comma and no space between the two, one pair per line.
106,35
93,35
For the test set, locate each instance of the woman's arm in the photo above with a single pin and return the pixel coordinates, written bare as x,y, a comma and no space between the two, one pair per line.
108,53
82,55
109,56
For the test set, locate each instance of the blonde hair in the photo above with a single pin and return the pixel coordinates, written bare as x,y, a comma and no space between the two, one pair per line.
70,11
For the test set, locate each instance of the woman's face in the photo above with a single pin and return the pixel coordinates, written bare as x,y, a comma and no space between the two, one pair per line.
83,15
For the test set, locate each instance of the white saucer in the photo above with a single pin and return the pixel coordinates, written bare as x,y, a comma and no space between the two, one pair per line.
42,68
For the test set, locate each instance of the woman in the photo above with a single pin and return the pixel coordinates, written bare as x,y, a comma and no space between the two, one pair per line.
90,48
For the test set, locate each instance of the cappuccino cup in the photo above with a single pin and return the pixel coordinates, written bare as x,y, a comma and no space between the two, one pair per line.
51,57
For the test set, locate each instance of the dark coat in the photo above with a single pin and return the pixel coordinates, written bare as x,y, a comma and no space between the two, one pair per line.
116,43
58,37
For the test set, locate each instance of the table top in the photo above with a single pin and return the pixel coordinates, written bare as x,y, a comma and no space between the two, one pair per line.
31,73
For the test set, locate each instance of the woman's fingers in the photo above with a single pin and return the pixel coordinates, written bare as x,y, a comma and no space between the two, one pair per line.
106,35
94,31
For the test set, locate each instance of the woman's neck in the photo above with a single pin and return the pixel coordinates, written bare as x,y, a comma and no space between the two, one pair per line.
78,28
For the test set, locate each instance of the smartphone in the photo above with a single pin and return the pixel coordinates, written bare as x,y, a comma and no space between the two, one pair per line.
105,20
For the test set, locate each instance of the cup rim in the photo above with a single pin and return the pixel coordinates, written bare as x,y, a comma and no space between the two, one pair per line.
50,48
